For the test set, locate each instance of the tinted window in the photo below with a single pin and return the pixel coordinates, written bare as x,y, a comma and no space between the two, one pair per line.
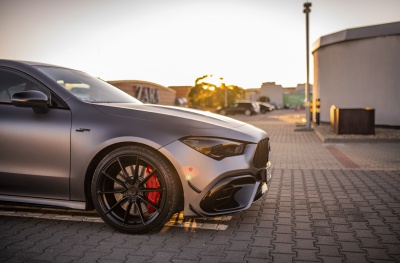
12,82
86,87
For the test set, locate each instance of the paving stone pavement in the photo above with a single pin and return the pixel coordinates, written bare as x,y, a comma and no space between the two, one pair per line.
327,203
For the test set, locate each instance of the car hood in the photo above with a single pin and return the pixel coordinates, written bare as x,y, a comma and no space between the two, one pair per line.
170,115
177,122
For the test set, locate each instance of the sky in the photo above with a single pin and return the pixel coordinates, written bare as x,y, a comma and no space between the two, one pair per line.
173,42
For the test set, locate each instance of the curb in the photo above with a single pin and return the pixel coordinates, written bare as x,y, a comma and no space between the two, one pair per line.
359,139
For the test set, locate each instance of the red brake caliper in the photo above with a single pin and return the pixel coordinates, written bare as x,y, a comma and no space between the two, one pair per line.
153,182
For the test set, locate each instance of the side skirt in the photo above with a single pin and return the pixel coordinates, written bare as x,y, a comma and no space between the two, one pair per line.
43,202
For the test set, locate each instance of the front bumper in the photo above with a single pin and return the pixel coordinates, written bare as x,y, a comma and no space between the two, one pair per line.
235,193
214,188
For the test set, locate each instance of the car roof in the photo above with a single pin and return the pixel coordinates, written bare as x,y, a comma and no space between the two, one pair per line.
29,63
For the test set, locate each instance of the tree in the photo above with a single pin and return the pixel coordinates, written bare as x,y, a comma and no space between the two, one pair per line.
209,95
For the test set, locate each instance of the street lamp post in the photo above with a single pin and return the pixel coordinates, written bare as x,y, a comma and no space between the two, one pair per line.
226,91
307,87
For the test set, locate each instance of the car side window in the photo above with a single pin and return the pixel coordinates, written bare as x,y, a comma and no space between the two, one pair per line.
8,92
12,82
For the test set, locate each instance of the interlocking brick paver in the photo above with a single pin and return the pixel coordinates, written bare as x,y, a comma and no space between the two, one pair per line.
338,220
283,238
327,259
325,250
388,239
305,244
247,236
377,254
323,231
61,258
316,210
302,226
355,218
370,242
118,253
282,257
147,250
350,246
283,248
111,261
190,254
347,237
341,228
259,252
326,240
237,246
211,259
321,223
304,234
266,224
283,229
235,256
137,258
214,250
355,257
91,256
306,255
284,221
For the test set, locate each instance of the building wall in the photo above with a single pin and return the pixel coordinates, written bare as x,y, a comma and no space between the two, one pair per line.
252,94
273,91
360,73
147,92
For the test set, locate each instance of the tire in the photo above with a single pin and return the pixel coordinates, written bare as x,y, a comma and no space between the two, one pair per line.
247,112
120,190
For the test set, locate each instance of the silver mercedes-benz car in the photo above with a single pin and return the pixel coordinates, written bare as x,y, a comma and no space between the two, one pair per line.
71,140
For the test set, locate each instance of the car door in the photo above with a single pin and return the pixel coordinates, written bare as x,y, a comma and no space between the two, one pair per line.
233,109
241,108
34,148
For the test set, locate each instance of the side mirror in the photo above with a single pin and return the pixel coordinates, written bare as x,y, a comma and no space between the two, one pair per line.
34,99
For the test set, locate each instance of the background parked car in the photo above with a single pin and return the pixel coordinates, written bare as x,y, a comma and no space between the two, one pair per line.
242,107
265,107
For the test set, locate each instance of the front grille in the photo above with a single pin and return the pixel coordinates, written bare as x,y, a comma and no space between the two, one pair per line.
261,156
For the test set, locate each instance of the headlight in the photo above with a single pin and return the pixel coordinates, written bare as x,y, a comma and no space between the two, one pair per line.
215,148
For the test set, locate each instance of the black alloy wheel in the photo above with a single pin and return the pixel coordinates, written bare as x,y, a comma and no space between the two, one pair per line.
135,190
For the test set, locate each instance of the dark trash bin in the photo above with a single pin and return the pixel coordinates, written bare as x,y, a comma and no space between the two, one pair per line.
353,121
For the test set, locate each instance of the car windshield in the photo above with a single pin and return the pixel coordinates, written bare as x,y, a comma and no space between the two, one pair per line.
87,88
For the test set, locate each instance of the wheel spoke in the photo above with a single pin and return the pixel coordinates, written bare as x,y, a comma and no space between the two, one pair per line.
128,209
116,180
133,172
139,207
148,202
137,168
124,173
115,191
146,190
147,178
117,204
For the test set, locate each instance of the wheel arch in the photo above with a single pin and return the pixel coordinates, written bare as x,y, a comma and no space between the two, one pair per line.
106,150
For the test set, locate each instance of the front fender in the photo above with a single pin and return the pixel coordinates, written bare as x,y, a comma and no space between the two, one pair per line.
85,160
